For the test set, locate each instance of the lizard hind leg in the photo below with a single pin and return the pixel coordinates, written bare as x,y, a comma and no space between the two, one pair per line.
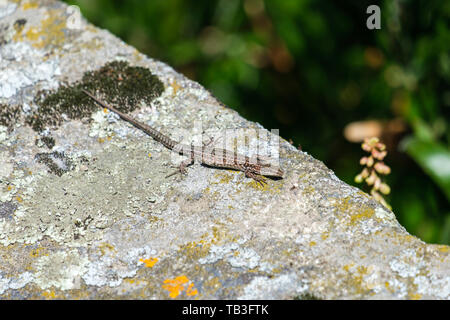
258,178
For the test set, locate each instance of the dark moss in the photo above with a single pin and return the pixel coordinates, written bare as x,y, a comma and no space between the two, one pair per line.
48,141
4,39
307,296
116,83
9,115
56,162
19,24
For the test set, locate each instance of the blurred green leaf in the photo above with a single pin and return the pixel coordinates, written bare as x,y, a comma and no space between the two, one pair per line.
445,233
434,160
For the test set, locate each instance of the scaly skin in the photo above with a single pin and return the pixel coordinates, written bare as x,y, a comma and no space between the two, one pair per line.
215,157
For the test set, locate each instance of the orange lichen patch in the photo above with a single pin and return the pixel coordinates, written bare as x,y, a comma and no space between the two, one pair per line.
49,294
175,86
357,213
256,185
177,286
361,271
400,238
415,296
19,199
105,110
9,188
268,185
196,250
219,234
363,214
212,284
348,266
308,190
133,281
150,262
136,54
105,246
356,279
224,177
38,252
30,5
32,34
191,291
51,31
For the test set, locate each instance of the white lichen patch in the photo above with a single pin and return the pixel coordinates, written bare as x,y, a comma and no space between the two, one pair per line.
398,288
217,253
3,133
385,215
62,270
245,258
433,285
7,8
16,282
24,66
115,265
6,194
407,264
4,282
281,287
236,256
6,166
100,120
21,281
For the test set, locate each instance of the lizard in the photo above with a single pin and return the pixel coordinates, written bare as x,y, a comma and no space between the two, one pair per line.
215,157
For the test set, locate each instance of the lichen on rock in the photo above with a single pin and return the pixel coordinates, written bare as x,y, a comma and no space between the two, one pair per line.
87,210
117,81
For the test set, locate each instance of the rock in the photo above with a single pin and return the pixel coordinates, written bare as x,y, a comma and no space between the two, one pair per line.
86,210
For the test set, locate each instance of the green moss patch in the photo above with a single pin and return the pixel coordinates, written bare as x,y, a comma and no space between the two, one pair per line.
56,162
47,141
307,296
116,83
9,115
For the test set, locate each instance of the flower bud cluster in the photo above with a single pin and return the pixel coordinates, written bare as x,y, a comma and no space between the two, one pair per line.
374,167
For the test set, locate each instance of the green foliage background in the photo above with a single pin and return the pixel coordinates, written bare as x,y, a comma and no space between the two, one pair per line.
310,68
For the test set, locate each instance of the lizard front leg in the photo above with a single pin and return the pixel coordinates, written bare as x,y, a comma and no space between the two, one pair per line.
182,168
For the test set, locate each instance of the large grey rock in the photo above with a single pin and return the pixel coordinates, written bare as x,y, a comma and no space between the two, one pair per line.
86,210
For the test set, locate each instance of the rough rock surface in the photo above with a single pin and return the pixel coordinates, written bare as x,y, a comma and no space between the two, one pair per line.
86,210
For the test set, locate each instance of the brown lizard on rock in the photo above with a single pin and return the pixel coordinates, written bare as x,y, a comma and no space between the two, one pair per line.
215,157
